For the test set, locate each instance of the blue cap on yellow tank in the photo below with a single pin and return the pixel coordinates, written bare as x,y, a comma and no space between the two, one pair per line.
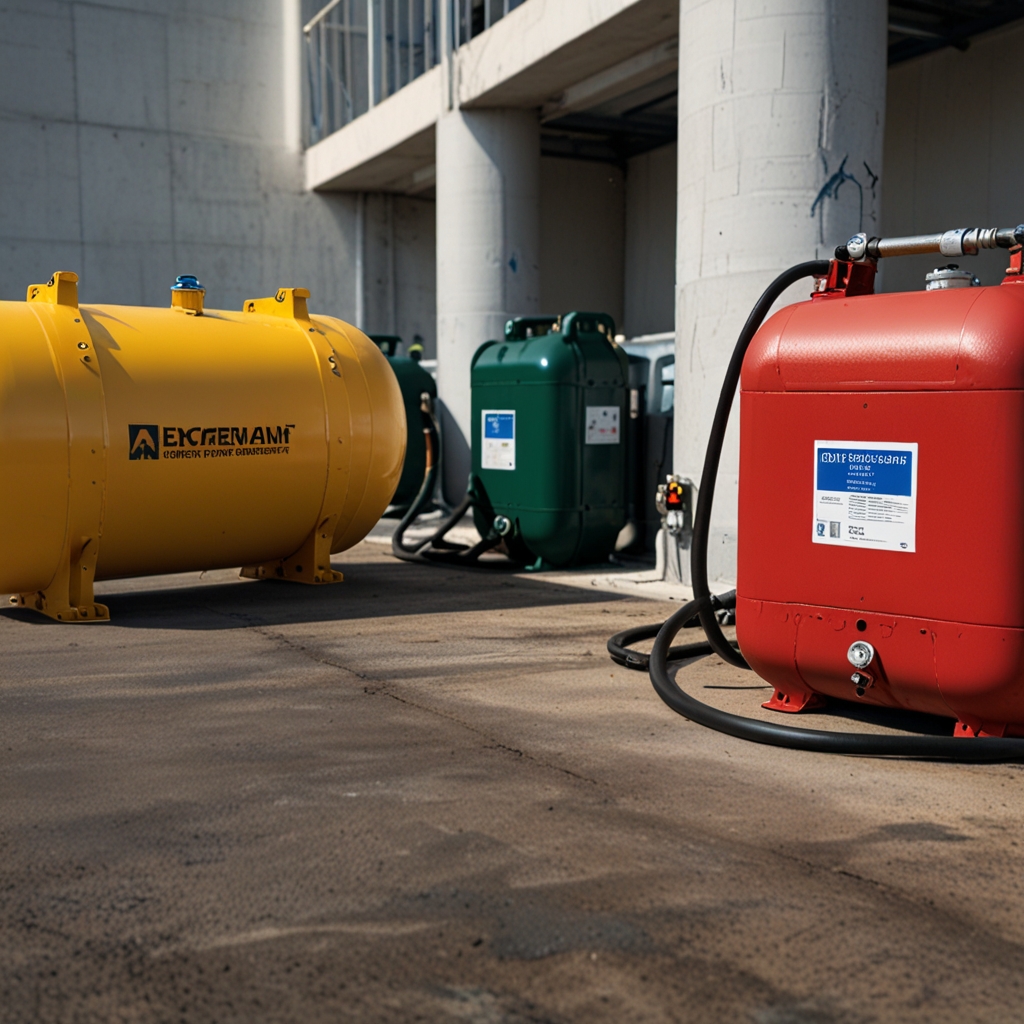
187,294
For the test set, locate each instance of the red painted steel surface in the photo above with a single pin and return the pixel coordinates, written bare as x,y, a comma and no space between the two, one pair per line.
943,369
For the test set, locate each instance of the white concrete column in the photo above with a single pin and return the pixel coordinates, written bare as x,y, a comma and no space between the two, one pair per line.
293,125
781,115
488,240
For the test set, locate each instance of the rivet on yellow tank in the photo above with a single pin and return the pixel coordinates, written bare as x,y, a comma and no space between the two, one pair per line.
139,441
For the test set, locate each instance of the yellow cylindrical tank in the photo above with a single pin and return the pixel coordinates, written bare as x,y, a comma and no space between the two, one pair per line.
136,441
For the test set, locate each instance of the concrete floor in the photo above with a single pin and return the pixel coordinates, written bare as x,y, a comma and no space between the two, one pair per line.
427,795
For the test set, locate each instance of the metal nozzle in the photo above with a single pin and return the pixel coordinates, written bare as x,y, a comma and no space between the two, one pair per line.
957,242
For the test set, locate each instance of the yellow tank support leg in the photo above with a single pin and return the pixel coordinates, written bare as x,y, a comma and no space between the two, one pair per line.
69,598
69,595
310,564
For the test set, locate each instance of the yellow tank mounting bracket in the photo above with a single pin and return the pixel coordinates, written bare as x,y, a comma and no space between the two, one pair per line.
60,290
289,303
69,595
310,564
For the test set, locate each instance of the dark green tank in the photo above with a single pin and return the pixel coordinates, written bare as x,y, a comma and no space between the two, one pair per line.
413,380
549,415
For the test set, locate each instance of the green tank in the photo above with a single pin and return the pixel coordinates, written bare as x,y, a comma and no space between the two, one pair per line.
549,460
413,380
389,344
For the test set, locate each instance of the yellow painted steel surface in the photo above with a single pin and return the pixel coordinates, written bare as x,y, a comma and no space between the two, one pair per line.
136,441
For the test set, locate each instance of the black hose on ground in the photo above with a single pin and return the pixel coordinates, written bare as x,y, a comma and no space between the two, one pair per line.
704,605
619,646
435,548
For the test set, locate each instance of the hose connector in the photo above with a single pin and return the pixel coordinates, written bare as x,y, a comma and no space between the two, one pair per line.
955,242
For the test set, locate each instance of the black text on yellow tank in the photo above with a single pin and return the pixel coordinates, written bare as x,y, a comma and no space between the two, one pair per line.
136,440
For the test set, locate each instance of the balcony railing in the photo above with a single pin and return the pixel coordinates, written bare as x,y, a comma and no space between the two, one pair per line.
471,17
359,52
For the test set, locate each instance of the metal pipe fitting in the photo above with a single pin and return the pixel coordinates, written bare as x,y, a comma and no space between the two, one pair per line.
956,242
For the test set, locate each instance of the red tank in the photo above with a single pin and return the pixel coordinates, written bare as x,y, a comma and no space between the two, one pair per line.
881,502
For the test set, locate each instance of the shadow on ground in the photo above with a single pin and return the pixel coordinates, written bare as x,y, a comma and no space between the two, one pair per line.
371,590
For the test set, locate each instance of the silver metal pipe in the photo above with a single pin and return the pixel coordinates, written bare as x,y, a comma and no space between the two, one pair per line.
878,248
320,15
956,242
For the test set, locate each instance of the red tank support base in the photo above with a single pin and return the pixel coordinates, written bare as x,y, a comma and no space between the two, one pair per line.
973,728
792,703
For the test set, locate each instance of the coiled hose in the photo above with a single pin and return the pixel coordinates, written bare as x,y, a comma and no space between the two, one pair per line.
704,605
435,548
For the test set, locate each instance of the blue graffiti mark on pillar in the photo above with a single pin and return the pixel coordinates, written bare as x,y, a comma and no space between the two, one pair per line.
872,176
830,190
513,263
832,186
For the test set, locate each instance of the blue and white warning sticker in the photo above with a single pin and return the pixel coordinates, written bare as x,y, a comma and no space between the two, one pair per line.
498,436
865,494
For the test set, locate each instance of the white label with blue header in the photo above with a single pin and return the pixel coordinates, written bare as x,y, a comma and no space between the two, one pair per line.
498,437
865,494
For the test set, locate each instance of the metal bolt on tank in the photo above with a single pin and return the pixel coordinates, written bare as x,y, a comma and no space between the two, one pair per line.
136,441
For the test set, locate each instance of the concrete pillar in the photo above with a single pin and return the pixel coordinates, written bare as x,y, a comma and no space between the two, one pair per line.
488,237
781,116
378,263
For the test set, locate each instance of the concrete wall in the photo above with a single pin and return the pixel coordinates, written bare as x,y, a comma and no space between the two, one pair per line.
953,151
582,229
399,275
650,243
161,137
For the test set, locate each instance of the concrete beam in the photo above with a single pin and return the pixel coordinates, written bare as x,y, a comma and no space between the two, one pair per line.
545,46
629,74
543,51
383,146
421,181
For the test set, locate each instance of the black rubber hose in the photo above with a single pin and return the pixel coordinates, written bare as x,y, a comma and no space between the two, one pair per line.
399,548
713,455
619,646
426,550
943,748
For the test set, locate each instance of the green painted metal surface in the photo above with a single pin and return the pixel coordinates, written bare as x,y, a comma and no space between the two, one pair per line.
389,344
413,380
549,418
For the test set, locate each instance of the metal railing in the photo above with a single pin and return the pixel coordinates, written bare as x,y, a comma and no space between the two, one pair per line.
471,17
359,52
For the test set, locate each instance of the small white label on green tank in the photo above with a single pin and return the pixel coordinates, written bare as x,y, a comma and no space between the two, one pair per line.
602,424
498,437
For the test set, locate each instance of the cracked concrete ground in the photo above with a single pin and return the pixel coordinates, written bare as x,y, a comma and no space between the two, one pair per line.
426,794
